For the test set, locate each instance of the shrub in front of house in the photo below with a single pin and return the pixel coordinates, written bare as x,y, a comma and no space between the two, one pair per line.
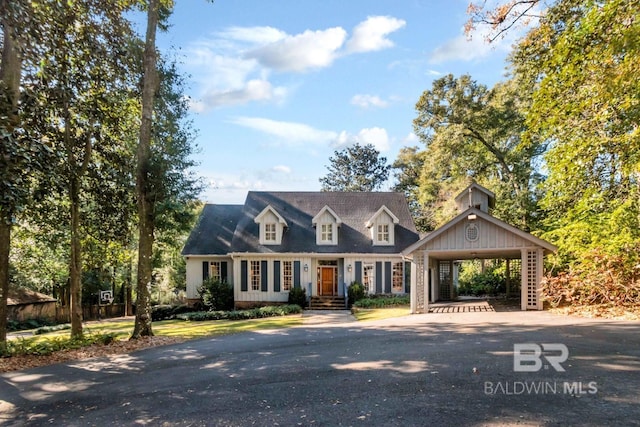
254,313
167,312
383,301
355,292
298,296
216,295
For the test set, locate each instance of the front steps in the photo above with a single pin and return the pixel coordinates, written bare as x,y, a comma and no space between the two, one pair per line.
327,303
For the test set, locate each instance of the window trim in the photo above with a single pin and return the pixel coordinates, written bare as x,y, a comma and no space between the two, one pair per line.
369,280
286,276
255,276
395,275
218,275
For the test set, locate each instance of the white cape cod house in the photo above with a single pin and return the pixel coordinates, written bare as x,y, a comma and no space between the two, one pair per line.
321,241
324,241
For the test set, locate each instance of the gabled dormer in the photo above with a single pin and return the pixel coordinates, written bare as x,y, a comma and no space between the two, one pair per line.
475,196
272,226
382,227
326,223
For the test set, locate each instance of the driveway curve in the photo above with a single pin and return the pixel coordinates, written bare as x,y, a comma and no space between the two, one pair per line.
432,369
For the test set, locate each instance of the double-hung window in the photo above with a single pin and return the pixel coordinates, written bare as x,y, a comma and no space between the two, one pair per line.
287,275
383,233
368,278
326,233
254,277
270,232
397,278
215,271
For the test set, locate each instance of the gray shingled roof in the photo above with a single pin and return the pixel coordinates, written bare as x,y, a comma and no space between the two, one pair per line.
298,209
213,233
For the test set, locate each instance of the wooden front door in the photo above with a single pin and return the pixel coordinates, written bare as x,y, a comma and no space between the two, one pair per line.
328,280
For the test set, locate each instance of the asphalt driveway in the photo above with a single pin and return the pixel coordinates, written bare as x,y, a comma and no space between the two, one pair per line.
432,369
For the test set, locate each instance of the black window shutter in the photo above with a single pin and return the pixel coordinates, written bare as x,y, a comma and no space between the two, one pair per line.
387,277
263,276
378,277
359,272
407,277
205,270
243,276
296,274
223,272
276,276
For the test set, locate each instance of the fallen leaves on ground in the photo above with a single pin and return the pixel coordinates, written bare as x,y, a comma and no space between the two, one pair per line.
15,363
617,312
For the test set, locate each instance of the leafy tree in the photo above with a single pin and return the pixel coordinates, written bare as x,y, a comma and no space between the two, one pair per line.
583,59
23,155
408,168
471,131
356,168
81,71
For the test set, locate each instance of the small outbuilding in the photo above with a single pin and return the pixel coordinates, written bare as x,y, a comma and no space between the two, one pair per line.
24,304
474,234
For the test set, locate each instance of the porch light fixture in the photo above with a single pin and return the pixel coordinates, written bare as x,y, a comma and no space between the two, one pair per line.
306,267
349,268
472,217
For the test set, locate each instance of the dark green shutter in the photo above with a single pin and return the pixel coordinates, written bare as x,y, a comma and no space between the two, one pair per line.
378,277
205,270
296,274
407,277
263,276
387,277
223,272
359,272
243,276
276,276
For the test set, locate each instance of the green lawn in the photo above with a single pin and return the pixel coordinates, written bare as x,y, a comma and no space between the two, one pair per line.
364,314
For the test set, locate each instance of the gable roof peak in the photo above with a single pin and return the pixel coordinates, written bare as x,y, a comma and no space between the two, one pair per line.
268,209
382,209
326,208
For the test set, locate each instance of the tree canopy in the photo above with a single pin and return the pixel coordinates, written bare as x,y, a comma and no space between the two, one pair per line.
356,168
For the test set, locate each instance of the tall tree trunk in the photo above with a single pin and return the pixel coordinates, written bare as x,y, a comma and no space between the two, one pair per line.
145,206
9,77
75,263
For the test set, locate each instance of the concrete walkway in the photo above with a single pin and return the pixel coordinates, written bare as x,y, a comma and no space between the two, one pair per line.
324,317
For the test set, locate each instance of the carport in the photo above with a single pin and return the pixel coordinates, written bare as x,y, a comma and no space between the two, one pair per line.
474,234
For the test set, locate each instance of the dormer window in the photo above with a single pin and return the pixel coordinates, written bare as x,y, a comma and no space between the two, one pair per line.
382,227
326,233
383,233
272,226
326,223
270,232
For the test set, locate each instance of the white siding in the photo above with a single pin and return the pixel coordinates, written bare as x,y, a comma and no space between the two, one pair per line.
490,236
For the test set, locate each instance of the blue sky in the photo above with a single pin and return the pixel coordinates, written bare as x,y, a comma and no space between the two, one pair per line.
278,86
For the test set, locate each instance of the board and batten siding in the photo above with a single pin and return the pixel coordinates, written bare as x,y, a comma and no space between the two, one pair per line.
270,288
490,236
195,274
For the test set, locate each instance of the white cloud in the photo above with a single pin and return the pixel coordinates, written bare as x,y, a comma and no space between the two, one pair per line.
311,49
290,132
367,101
253,35
433,73
282,169
253,90
375,136
234,66
370,35
410,139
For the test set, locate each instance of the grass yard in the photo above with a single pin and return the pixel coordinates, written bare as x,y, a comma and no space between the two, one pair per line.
367,314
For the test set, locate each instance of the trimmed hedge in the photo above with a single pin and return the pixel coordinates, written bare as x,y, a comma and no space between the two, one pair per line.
254,313
382,301
168,312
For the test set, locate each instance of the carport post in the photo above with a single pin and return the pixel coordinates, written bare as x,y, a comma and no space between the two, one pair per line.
413,290
425,280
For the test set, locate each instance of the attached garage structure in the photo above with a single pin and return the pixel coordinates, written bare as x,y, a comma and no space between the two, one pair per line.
474,234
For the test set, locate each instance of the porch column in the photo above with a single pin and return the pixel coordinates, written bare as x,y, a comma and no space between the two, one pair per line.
413,301
425,281
531,276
